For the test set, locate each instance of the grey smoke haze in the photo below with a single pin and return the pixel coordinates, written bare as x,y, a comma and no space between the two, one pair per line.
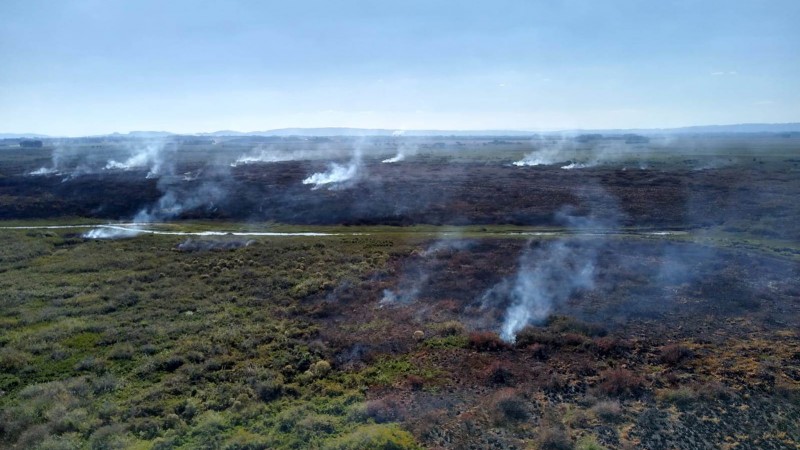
573,153
579,152
66,162
72,161
549,151
550,272
152,155
178,199
272,153
339,176
547,276
187,192
417,272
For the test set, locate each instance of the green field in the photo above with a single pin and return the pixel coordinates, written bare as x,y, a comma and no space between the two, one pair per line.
131,343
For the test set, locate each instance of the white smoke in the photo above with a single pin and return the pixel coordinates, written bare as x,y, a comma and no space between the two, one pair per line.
403,151
338,175
269,155
68,162
56,164
44,171
548,151
396,158
574,165
175,201
584,152
151,155
416,274
111,232
404,296
549,273
547,276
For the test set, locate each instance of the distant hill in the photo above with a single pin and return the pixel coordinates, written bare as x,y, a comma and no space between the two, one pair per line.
22,136
355,132
708,129
703,129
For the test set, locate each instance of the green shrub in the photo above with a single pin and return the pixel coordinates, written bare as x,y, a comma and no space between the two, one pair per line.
111,437
449,341
450,328
269,390
242,439
68,441
588,442
374,437
320,368
12,360
121,352
90,364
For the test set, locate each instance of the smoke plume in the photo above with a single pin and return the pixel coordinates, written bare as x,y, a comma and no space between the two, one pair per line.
270,154
548,275
338,175
586,151
111,232
151,155
178,199
549,151
417,271
65,161
550,272
403,151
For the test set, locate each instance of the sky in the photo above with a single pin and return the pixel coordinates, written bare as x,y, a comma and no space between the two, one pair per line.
86,67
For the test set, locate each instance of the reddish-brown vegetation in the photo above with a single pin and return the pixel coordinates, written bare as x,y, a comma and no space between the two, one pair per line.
487,341
621,383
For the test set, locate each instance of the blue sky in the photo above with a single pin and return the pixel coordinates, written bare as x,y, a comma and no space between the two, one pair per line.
97,66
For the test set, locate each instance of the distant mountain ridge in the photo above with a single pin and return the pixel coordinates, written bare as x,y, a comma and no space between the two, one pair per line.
23,136
358,132
339,131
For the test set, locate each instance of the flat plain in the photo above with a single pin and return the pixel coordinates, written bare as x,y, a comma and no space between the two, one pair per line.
625,294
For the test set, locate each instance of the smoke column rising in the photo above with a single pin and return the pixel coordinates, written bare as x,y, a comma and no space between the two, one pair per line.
547,276
548,152
337,174
403,151
151,155
550,272
418,271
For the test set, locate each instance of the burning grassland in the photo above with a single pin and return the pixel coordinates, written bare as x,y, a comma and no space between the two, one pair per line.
600,307
281,337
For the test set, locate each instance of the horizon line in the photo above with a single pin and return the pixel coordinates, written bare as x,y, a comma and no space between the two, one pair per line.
488,131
